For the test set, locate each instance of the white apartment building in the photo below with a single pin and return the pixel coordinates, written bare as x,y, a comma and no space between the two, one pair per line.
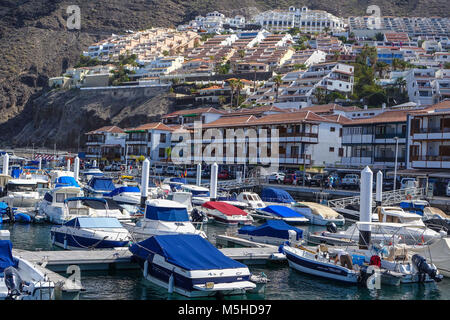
159,66
427,86
106,143
213,22
429,138
308,21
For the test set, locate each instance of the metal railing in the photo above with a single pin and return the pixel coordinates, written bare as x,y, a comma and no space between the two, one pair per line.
388,198
235,184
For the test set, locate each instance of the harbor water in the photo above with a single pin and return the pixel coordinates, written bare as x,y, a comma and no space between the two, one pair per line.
285,283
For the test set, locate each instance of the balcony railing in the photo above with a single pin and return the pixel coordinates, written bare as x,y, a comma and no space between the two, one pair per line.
431,130
389,159
390,135
298,134
430,158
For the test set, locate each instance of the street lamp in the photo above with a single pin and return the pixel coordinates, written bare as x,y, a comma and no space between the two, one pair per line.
395,165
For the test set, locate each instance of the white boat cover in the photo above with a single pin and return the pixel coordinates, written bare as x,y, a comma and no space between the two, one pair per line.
321,210
440,254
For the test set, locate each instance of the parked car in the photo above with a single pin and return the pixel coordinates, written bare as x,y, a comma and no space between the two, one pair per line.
388,184
300,175
407,183
224,175
112,167
158,169
447,193
171,170
289,178
317,180
350,181
276,177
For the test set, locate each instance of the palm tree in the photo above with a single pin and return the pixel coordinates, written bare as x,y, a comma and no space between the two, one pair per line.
278,81
239,87
380,67
232,84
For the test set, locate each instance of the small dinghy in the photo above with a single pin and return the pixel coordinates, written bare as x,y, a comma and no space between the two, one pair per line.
20,279
191,266
90,233
277,212
226,213
273,232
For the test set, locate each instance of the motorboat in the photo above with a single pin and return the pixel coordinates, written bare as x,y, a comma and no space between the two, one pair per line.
191,266
223,212
437,252
53,203
351,213
90,233
277,212
87,207
21,193
182,197
88,174
99,186
200,195
233,200
322,264
413,231
252,199
274,232
416,206
130,195
318,214
20,279
175,183
276,196
434,218
163,217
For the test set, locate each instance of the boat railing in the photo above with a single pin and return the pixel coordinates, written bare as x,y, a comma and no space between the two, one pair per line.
388,198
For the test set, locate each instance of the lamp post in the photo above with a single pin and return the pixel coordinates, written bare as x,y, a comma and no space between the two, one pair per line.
395,165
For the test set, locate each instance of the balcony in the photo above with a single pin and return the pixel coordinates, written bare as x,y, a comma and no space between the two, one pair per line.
430,162
390,135
389,159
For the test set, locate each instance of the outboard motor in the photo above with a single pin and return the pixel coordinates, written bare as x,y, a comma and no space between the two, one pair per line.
196,215
331,227
10,214
424,268
13,282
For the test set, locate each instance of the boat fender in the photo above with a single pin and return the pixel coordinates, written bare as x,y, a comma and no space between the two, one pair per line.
22,217
171,283
424,268
65,243
53,239
145,268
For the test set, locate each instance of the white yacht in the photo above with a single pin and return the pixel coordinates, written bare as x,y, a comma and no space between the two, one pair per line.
87,207
21,193
200,195
252,199
163,217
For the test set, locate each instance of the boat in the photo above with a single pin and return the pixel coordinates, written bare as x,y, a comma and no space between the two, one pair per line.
200,195
53,203
276,196
252,199
87,207
277,212
233,200
351,213
182,197
434,218
90,233
88,174
226,213
274,232
21,193
319,214
163,217
20,279
130,195
437,252
191,266
99,186
175,183
322,264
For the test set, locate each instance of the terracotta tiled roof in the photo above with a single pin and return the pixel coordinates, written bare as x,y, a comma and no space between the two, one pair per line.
231,122
439,107
385,117
152,126
329,108
112,129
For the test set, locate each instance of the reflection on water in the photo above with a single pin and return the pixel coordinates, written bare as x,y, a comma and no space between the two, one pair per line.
285,283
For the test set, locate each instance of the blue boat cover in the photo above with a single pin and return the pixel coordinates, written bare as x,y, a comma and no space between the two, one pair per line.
166,214
120,190
283,212
6,257
180,180
66,181
15,173
101,184
187,251
272,228
94,223
276,195
3,206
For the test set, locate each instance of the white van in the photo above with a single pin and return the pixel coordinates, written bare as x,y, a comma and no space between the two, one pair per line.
158,169
171,170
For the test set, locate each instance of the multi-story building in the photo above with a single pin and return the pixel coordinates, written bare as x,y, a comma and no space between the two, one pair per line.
150,140
158,67
213,22
375,140
308,21
187,117
429,137
106,143
428,86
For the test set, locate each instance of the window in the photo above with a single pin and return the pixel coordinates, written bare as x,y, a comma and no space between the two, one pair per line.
332,129
149,137
341,152
331,149
162,153
162,137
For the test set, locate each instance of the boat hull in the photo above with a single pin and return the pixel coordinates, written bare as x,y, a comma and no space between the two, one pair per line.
83,242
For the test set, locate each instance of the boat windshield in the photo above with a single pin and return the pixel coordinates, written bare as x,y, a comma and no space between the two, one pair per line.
21,187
